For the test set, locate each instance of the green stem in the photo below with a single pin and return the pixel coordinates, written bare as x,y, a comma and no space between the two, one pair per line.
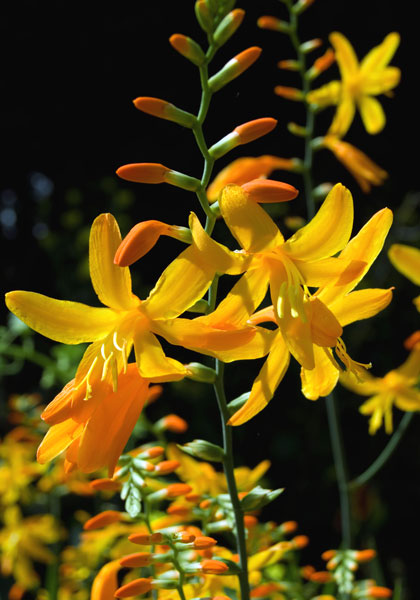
230,478
340,470
385,455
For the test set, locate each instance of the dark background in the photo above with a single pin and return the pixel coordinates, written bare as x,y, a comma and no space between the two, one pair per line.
68,77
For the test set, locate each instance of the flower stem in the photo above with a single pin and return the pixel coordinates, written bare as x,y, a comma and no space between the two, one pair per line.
384,456
340,470
230,478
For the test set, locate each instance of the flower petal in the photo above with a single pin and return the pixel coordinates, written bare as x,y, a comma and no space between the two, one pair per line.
330,271
60,320
265,383
322,379
105,583
344,54
329,230
60,408
379,57
359,305
372,114
151,360
379,83
367,387
406,259
411,367
111,283
326,95
252,227
343,117
325,328
58,438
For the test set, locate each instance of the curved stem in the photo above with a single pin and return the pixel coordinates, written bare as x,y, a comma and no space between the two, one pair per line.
340,470
230,478
384,456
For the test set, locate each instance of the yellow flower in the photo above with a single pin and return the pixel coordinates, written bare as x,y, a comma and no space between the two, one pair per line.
359,84
363,169
406,259
397,387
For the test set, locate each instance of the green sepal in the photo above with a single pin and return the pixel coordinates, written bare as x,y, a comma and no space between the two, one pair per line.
259,497
204,450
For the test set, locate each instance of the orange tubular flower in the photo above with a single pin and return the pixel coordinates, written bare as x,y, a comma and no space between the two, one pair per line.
105,583
107,517
134,588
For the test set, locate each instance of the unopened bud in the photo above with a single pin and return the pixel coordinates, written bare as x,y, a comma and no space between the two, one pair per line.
289,93
288,65
153,452
105,485
204,17
297,130
172,423
364,555
268,190
307,47
204,450
165,110
234,67
250,521
166,466
328,554
321,577
242,134
203,542
228,25
177,489
288,527
322,64
146,539
213,567
157,173
411,342
378,591
107,517
302,5
274,24
188,48
134,588
138,559
198,372
300,541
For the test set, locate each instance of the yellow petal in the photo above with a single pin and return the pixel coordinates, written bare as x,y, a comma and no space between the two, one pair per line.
151,360
322,379
379,83
344,54
369,386
330,272
380,56
325,329
57,439
410,369
266,382
182,283
326,95
343,117
223,259
408,399
406,259
359,305
105,583
372,114
252,227
329,230
60,320
111,283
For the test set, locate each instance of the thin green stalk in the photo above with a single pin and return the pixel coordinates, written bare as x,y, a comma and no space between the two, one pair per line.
385,455
230,478
340,470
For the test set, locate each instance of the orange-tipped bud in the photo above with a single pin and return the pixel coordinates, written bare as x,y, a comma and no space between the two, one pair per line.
288,526
325,61
252,130
134,588
228,26
143,172
167,466
288,65
272,23
377,591
268,190
250,521
105,485
311,45
321,577
213,567
175,424
146,539
107,517
204,17
265,589
203,542
205,504
177,489
185,538
234,67
364,555
300,541
302,5
178,509
289,93
164,110
188,48
221,597
411,342
140,239
154,451
138,559
193,497
155,391
307,571
328,554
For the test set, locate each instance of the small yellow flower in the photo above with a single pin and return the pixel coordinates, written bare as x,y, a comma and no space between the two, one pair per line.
359,84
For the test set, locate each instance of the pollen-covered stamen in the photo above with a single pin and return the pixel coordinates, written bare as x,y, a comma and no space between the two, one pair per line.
351,365
295,291
122,349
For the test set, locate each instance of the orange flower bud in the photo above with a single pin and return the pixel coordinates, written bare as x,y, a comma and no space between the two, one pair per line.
289,526
234,67
138,559
252,130
175,424
321,577
154,451
265,589
202,542
250,521
325,61
272,23
138,586
140,239
307,571
288,65
167,466
289,93
154,392
364,555
300,541
102,520
188,48
205,504
145,539
143,172
105,485
377,591
178,509
328,554
213,567
184,537
228,26
177,489
164,110
268,190
193,497
412,341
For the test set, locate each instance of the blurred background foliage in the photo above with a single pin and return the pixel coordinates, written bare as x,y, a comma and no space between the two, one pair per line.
68,123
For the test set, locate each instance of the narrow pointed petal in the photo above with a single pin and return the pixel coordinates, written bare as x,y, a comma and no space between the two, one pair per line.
265,384
383,81
223,259
369,386
60,408
252,227
151,360
326,95
322,379
410,369
58,438
328,232
379,57
111,282
105,583
361,304
60,320
330,271
325,328
372,113
344,54
171,296
406,259
343,117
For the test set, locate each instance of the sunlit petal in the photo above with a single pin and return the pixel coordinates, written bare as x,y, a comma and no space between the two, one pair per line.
57,439
331,271
380,56
410,369
343,117
105,583
406,259
367,387
344,54
361,304
379,83
322,379
151,360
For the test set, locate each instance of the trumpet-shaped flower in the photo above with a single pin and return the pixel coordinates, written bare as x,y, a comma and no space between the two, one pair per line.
406,259
398,387
359,84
